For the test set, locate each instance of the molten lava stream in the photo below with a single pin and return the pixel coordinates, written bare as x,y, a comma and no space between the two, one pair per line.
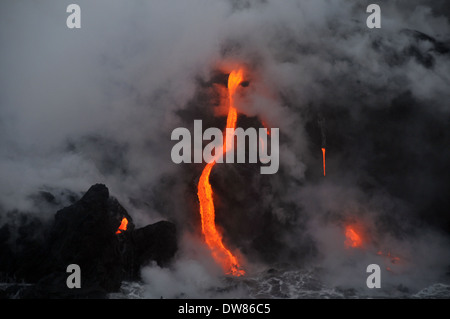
205,194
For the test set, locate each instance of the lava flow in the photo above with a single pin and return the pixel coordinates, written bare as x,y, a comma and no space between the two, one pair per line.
353,239
123,226
323,155
205,194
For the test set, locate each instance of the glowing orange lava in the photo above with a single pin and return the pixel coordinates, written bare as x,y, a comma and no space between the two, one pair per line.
352,238
393,259
123,226
205,194
323,155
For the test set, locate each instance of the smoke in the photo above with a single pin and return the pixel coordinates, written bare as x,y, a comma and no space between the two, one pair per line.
194,274
98,105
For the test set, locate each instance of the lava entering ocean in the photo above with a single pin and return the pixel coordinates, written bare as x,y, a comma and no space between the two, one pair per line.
353,238
213,238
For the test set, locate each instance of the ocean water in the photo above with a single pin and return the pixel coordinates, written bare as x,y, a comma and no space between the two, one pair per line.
286,284
273,284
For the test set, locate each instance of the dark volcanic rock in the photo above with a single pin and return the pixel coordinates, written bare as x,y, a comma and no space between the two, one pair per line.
85,234
156,242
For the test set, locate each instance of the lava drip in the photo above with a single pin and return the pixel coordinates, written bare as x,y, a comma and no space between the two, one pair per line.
323,155
205,194
321,123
